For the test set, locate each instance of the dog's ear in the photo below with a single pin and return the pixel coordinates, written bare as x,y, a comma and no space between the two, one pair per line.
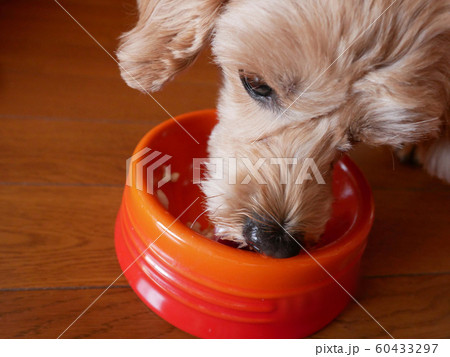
404,98
395,111
167,38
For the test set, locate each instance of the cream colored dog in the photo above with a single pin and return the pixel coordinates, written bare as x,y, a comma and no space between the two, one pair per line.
302,79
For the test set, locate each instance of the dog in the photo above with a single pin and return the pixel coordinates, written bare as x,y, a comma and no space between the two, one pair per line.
301,79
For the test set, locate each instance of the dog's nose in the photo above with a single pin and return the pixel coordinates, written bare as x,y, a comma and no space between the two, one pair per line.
270,239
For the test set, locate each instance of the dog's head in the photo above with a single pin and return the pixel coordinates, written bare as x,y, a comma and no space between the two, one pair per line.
303,81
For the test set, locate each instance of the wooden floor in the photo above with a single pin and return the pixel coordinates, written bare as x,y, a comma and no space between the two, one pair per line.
68,123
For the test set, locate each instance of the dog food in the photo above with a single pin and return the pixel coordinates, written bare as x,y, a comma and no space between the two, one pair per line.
208,232
162,198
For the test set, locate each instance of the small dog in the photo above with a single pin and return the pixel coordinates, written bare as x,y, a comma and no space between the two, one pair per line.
302,79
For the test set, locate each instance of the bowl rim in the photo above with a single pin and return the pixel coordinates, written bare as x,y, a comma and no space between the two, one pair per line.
353,239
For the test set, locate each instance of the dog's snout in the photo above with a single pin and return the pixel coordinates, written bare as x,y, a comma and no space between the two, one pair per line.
270,238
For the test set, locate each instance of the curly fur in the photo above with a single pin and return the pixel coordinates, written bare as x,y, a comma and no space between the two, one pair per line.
361,75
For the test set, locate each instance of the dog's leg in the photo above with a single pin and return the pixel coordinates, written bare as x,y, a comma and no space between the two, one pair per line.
435,158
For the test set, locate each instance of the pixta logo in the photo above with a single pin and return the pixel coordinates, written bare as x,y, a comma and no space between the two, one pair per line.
145,163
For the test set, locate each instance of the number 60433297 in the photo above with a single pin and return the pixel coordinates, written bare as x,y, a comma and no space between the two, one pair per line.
406,348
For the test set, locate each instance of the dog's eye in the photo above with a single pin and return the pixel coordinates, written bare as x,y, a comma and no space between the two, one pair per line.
255,86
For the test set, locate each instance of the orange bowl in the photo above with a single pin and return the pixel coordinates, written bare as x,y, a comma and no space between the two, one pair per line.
212,290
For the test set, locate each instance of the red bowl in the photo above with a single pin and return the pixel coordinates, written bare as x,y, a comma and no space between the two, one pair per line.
212,290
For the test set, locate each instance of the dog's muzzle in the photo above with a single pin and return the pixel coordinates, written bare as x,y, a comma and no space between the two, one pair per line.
269,238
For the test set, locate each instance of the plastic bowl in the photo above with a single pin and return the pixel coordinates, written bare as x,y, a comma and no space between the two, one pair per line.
212,290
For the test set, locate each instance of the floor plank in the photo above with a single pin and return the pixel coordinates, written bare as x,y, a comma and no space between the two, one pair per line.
408,307
51,68
383,171
47,313
68,123
67,151
410,234
58,236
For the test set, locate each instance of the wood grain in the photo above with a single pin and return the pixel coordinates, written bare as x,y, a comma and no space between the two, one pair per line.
410,234
53,69
67,151
68,123
47,313
407,307
384,171
58,236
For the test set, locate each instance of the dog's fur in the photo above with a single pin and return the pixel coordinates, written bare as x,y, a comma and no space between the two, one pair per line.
382,81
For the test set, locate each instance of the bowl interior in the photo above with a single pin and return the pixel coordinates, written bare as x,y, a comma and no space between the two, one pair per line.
171,139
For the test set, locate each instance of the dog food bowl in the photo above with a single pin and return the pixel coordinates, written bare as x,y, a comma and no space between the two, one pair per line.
212,290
